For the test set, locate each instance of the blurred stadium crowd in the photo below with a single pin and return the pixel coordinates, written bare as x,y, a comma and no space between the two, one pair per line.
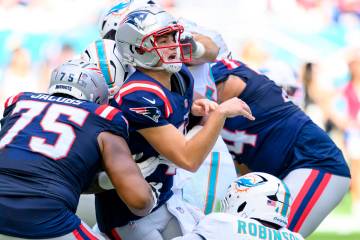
311,47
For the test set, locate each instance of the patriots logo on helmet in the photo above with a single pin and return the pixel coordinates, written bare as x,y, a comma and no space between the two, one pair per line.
150,112
137,18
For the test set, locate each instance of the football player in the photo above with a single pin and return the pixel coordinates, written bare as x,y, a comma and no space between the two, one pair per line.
157,100
284,142
256,206
51,147
207,46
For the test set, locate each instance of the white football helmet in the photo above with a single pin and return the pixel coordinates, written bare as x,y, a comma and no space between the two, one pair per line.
259,196
80,79
111,19
105,55
136,39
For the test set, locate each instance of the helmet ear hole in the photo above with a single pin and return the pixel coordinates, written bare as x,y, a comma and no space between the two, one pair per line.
241,207
272,197
140,51
110,35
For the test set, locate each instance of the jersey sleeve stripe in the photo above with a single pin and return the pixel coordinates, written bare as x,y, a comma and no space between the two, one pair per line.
11,100
106,111
230,64
102,61
145,86
115,234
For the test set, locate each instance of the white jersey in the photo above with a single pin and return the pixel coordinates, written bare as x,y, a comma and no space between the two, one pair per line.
204,84
207,186
219,226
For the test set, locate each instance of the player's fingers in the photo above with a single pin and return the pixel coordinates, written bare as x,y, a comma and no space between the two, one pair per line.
246,107
249,116
213,105
206,108
247,111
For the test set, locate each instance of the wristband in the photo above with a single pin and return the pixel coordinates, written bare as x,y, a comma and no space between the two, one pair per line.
200,50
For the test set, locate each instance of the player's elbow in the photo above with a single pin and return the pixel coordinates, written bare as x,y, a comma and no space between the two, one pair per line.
191,166
142,205
194,168
187,160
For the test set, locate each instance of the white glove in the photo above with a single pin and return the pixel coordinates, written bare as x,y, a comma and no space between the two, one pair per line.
163,160
149,166
155,187
104,181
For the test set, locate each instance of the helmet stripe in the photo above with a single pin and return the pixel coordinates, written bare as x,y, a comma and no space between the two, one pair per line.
103,63
286,203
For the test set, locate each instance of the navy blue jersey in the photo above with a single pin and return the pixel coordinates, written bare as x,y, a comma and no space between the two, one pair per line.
267,144
262,144
49,154
146,103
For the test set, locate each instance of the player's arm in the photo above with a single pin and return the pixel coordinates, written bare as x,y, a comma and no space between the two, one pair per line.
232,87
189,154
124,174
204,49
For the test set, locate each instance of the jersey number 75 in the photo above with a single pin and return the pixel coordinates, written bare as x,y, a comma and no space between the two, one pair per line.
49,124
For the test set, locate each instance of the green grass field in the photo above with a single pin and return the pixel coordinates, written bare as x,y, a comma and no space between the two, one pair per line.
334,236
344,209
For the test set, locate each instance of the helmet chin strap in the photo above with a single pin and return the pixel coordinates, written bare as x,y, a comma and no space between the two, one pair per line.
169,67
172,67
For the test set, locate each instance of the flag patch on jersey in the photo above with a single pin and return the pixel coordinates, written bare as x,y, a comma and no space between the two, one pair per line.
271,203
150,112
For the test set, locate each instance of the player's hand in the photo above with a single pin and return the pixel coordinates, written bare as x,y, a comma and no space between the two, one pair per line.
197,48
202,107
186,38
236,107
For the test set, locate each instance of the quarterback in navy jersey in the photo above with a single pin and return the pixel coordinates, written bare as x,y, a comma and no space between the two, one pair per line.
282,141
51,147
156,100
